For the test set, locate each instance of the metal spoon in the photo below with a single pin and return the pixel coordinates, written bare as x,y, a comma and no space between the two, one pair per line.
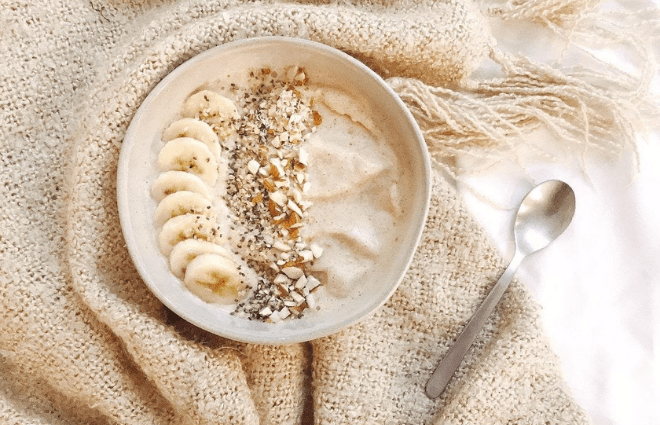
543,215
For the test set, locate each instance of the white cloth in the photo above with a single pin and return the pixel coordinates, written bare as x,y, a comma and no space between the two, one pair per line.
599,283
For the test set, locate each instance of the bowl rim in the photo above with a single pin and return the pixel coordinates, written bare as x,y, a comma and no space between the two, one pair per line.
125,216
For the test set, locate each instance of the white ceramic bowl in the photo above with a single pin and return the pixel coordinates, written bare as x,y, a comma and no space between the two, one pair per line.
137,171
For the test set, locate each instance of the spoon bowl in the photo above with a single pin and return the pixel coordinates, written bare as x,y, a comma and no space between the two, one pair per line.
543,215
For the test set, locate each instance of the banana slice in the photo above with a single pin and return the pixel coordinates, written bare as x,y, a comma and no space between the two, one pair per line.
213,278
186,226
185,251
182,202
175,181
196,129
193,156
210,106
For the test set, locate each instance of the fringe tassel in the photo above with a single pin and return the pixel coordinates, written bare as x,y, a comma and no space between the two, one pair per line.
480,121
560,13
636,31
584,109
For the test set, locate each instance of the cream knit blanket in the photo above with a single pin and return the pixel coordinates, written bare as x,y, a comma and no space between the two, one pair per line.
82,340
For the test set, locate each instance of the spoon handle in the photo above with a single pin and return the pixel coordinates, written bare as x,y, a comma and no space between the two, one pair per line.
443,373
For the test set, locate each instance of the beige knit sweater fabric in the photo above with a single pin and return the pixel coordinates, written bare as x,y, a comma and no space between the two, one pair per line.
83,341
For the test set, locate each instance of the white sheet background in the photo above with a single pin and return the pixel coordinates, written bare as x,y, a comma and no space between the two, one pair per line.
599,283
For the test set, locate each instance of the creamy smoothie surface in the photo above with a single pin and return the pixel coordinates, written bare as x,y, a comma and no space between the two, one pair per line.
297,196
354,186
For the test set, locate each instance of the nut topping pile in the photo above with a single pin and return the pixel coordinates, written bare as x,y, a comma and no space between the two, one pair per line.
266,192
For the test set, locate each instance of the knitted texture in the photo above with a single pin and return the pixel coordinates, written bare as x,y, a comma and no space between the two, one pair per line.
82,340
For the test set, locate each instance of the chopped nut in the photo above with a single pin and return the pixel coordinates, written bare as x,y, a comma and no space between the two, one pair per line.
312,283
276,169
292,205
303,156
311,301
307,256
274,172
317,251
284,313
281,246
296,220
293,272
297,310
278,197
283,289
272,208
301,283
276,142
258,198
269,184
253,166
297,196
318,119
281,278
299,299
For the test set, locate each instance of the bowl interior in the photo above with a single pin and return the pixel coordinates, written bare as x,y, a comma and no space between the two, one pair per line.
137,171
